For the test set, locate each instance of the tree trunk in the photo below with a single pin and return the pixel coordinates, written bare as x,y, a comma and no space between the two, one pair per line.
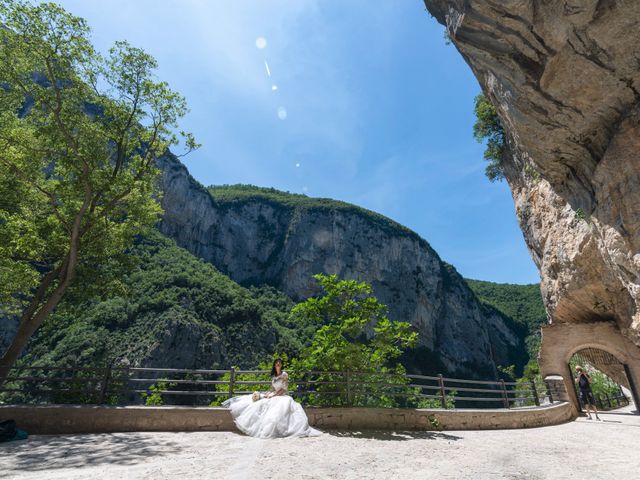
33,316
25,330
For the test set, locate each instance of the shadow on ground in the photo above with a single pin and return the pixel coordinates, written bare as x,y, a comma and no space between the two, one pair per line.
46,452
396,436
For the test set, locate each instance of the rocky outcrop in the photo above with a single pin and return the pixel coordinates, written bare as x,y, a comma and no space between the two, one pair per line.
565,79
255,239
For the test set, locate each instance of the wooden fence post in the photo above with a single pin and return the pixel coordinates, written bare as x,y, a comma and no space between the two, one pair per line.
443,394
105,384
536,399
232,379
504,394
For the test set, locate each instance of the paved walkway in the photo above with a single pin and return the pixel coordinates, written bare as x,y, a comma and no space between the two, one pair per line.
580,449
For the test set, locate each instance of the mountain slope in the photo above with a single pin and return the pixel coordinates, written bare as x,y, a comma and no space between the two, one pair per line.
522,303
174,310
261,236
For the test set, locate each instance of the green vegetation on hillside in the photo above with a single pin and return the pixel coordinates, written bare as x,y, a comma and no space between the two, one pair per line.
172,309
234,194
522,303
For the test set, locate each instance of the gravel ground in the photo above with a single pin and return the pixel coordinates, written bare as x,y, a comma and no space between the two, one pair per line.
580,449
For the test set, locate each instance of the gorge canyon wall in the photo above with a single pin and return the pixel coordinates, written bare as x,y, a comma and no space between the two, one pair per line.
564,77
259,240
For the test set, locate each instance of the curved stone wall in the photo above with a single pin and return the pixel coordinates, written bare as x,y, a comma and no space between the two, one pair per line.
66,419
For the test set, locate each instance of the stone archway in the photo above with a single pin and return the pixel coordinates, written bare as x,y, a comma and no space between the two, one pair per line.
561,341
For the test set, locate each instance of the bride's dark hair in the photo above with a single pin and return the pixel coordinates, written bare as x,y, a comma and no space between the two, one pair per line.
273,367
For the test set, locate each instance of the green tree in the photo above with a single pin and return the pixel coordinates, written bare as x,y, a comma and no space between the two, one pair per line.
79,135
355,338
488,127
154,399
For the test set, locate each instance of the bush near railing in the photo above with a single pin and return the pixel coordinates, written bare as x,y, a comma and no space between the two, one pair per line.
609,402
155,386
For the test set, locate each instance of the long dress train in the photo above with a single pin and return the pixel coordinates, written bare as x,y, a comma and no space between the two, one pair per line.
278,416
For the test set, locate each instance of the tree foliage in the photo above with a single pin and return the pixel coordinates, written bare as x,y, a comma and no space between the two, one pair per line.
79,135
357,339
489,128
353,355
169,293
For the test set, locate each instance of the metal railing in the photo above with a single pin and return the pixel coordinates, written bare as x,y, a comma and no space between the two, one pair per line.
122,385
610,402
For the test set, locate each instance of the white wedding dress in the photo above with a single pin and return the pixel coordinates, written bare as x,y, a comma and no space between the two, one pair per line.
278,416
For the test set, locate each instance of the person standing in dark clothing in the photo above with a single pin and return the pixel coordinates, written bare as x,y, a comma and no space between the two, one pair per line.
583,381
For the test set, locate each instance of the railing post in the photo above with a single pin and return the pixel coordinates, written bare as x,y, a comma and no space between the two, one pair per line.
232,379
443,394
536,399
126,383
608,400
105,384
621,395
504,393
348,377
546,384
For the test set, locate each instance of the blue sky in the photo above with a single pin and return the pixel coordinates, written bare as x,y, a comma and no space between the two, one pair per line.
356,100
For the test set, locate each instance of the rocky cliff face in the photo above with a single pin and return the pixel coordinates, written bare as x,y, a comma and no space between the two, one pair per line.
565,79
256,239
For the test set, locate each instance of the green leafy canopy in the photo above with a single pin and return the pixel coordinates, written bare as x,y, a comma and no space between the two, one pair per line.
79,135
355,336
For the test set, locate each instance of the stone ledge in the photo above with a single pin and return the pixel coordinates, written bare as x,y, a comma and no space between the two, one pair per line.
65,419
421,419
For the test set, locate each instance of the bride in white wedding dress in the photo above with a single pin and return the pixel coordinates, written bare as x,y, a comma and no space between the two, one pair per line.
274,414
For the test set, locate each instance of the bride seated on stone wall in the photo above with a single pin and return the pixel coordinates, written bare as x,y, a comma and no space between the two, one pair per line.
273,414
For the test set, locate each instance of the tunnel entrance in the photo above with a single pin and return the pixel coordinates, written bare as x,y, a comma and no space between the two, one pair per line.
600,344
610,386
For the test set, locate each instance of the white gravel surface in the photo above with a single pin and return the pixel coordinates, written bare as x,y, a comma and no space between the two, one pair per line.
582,450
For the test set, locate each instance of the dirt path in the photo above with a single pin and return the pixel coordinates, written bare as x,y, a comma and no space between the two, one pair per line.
581,449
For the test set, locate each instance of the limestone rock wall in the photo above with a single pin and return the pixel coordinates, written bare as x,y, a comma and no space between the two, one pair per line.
262,241
565,78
